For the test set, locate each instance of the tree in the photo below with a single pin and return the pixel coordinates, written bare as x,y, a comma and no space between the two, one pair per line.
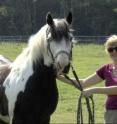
27,16
95,17
90,17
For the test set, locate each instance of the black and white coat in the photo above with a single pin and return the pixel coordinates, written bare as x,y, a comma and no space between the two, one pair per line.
30,88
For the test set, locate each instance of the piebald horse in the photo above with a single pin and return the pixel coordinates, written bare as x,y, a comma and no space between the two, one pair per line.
30,90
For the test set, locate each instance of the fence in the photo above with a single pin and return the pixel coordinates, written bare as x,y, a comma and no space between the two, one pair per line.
91,39
79,39
14,38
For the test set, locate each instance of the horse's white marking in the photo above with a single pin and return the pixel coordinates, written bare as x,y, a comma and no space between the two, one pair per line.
62,59
4,118
17,80
61,46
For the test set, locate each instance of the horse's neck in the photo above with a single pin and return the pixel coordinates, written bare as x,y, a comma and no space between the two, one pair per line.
36,50
41,69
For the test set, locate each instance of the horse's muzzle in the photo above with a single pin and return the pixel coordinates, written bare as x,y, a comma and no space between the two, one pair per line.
66,69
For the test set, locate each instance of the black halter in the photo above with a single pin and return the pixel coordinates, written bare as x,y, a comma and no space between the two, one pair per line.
62,51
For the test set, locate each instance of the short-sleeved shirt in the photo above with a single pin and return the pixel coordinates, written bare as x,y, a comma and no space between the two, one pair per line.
106,73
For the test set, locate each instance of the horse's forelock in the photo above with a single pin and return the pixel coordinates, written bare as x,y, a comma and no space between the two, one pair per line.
60,29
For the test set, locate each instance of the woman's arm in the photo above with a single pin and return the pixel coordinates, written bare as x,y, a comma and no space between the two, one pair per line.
87,82
63,79
91,80
112,90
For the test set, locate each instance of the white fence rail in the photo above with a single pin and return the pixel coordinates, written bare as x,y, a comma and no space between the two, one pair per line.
91,39
80,39
14,38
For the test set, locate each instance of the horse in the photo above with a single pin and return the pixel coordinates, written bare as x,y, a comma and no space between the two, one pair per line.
30,89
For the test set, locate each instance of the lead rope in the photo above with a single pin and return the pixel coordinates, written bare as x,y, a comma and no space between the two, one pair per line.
90,105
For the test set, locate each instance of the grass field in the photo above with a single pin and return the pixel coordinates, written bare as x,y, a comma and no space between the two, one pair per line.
86,59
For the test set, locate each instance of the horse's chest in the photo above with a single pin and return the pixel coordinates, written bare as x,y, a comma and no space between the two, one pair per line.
14,84
40,96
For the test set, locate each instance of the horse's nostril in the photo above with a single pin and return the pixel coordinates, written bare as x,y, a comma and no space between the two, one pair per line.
66,69
62,65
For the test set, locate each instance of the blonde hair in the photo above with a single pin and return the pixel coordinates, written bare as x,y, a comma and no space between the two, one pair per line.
111,41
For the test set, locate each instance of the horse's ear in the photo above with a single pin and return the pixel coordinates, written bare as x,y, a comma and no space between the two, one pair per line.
49,19
69,18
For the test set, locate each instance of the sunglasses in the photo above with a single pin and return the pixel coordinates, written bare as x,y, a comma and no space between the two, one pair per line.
111,49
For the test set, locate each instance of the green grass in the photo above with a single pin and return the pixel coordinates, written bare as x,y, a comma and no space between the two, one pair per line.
86,59
11,49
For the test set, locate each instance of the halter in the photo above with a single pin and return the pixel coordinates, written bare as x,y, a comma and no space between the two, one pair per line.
62,51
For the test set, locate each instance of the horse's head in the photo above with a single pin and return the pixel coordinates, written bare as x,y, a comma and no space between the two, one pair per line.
59,38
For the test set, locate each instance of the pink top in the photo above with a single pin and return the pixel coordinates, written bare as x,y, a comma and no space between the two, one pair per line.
106,73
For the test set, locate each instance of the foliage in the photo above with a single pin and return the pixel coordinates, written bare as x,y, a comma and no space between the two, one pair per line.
95,17
90,17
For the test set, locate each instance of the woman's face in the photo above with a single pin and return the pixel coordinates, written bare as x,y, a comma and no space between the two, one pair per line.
112,50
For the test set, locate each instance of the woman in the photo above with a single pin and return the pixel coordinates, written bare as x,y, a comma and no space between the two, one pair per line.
107,72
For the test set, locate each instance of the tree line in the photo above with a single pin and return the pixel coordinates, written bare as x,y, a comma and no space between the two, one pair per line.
90,17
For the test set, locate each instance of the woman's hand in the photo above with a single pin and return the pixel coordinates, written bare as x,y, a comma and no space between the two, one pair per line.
88,92
70,81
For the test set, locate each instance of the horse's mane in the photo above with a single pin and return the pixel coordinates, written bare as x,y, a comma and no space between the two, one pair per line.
35,48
